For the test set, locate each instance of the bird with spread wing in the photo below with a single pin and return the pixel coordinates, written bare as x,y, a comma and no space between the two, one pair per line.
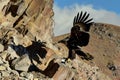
79,32
79,35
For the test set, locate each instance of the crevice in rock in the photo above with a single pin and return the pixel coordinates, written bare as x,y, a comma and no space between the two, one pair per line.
21,17
51,69
18,20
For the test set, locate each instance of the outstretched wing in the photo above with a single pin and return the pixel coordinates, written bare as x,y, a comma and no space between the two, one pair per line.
82,21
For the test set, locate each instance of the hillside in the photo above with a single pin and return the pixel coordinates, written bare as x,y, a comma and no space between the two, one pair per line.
29,50
104,46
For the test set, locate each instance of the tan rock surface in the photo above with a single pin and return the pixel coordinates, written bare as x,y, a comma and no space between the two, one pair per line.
26,29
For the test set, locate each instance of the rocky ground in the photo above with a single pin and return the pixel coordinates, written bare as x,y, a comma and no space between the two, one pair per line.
104,47
29,50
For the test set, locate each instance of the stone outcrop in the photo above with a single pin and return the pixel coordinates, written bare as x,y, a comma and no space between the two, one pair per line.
29,52
30,18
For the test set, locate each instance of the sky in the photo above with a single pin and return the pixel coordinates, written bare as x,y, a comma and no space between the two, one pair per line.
103,11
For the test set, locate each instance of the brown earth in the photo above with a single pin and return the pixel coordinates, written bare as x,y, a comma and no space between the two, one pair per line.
104,46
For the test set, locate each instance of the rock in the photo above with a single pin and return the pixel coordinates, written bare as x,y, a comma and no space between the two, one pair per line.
11,54
79,70
19,50
0,75
26,75
10,75
21,64
1,47
35,79
4,55
63,49
1,61
5,73
4,65
13,72
45,56
63,73
25,21
2,68
16,17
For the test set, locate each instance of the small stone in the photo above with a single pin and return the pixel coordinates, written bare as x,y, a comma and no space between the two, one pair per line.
35,79
7,66
50,55
1,47
2,68
5,73
0,75
12,54
1,61
13,72
22,64
29,76
22,78
65,72
4,55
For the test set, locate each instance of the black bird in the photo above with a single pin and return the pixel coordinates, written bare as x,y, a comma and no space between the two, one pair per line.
79,32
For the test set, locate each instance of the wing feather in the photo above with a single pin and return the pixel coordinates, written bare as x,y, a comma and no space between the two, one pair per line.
82,20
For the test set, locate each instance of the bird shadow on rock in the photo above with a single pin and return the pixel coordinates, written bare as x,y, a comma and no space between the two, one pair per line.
36,51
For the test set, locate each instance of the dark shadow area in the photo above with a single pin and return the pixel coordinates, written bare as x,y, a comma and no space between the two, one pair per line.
33,68
111,66
35,52
19,49
13,9
83,55
38,48
22,30
18,20
51,69
73,52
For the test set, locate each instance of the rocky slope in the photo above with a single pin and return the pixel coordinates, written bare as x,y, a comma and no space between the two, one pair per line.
29,52
104,47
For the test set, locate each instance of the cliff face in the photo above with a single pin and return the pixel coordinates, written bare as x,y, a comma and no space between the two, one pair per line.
29,51
25,37
32,18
